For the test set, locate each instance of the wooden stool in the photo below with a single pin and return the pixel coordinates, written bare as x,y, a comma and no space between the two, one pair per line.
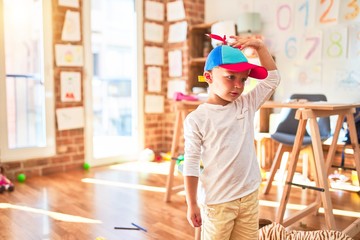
182,108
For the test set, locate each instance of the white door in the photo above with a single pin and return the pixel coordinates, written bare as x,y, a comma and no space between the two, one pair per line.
111,83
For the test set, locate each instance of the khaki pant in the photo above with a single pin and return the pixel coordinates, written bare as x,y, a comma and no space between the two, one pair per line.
235,220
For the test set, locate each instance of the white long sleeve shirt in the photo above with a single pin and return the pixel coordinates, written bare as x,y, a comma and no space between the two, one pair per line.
222,137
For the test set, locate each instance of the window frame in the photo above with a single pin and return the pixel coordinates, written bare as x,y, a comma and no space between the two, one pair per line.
7,154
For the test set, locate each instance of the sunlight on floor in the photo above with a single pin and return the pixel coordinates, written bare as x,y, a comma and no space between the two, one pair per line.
124,185
54,215
291,206
144,167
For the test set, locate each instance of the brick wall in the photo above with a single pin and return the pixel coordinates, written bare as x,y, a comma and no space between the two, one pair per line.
159,127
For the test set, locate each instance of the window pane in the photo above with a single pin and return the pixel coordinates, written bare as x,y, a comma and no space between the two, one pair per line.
25,92
112,47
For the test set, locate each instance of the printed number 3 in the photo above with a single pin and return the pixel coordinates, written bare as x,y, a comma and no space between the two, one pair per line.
353,4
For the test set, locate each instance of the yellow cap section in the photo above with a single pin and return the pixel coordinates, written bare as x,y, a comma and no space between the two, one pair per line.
201,79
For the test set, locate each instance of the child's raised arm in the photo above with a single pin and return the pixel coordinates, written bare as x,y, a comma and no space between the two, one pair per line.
258,45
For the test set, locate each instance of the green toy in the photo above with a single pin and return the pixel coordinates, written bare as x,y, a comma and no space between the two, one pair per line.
21,177
86,166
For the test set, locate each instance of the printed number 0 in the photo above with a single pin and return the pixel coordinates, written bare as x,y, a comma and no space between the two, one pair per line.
284,7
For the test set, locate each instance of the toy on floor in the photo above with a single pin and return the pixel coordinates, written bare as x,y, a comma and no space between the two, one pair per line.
21,177
135,227
5,183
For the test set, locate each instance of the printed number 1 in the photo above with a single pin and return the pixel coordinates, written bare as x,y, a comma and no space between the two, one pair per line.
306,7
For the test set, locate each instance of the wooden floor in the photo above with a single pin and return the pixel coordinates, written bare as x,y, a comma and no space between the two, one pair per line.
88,205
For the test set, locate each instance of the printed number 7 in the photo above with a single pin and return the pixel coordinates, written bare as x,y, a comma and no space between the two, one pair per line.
311,51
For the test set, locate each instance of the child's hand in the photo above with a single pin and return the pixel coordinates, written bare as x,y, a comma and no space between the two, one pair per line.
194,216
244,42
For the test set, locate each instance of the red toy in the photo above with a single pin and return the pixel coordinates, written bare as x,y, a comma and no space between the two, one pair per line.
5,183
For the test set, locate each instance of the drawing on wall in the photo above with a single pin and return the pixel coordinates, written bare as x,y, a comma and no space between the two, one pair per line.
67,55
70,86
309,74
349,79
154,79
70,118
71,28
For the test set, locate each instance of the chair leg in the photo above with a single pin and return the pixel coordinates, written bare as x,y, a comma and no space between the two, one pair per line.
274,167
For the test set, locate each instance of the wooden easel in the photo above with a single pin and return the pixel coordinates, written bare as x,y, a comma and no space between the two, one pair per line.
309,112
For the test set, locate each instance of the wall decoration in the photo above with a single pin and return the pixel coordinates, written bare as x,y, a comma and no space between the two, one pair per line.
67,55
70,118
154,104
154,79
178,32
154,56
70,86
71,29
154,11
175,63
154,32
69,3
175,11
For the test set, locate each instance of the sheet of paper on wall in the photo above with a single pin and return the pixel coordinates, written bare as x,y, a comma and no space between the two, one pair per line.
154,79
354,41
154,11
70,86
349,13
302,23
327,15
154,104
335,51
71,29
175,11
176,85
175,63
69,3
311,48
154,56
308,74
70,118
67,55
177,32
154,32
343,80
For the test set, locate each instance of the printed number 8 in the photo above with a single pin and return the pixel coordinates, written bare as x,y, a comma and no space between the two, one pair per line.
335,49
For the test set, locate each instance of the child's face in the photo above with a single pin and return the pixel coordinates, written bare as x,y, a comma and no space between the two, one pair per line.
225,86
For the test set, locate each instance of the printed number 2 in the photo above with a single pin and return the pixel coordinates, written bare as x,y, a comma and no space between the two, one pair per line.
323,17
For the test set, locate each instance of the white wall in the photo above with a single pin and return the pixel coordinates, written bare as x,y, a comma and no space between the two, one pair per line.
316,48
